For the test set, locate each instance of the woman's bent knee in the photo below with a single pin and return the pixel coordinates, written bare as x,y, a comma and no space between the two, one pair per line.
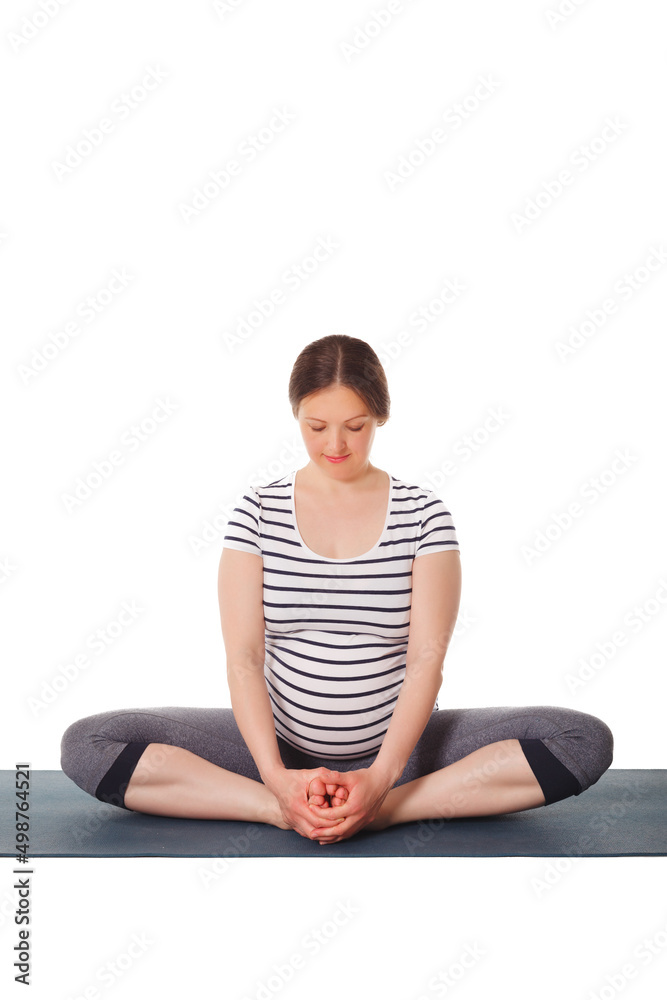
75,754
599,748
98,764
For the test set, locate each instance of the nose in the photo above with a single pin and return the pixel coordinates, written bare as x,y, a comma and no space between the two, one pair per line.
337,445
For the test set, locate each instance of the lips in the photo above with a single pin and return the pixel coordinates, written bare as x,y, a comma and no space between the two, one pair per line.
331,458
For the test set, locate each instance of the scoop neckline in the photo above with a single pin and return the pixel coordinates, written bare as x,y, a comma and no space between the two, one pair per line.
349,558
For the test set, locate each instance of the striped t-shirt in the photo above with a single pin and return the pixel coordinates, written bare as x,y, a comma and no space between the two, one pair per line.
336,629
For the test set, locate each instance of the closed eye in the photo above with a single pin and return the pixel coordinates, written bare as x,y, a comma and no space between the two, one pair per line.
318,429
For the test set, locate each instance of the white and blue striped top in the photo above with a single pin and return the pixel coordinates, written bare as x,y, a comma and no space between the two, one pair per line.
336,629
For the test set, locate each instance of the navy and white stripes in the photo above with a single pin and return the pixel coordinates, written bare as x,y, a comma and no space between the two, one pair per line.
336,629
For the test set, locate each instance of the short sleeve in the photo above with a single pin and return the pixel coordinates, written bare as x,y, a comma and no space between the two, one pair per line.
243,530
437,533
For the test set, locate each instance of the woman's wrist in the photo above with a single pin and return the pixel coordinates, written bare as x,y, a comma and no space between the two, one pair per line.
271,774
387,773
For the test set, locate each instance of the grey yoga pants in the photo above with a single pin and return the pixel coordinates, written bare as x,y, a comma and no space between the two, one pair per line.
567,750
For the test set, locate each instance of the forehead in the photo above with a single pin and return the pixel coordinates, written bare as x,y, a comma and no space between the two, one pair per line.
339,402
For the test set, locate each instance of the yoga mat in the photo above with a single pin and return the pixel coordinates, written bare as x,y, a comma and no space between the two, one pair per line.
623,814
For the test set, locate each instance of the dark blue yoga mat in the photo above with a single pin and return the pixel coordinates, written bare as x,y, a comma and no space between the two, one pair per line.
623,814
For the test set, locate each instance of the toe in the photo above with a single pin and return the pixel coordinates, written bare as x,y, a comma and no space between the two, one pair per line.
317,787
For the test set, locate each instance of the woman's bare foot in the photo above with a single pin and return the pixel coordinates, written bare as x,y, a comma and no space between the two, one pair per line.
272,813
381,821
321,794
336,795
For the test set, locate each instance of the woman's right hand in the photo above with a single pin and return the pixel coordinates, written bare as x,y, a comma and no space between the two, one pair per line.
291,787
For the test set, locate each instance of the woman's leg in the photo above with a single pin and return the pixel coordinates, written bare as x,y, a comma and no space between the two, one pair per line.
486,761
194,762
171,781
184,762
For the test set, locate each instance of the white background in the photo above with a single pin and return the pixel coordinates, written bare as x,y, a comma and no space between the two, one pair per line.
358,98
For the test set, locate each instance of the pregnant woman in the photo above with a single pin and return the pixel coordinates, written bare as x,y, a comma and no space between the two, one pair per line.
339,588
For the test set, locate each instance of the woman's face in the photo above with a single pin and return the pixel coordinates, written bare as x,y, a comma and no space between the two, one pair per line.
336,422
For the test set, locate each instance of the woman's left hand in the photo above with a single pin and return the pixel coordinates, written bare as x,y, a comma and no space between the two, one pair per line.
366,791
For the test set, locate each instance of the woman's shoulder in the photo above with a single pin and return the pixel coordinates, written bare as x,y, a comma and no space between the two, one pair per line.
429,520
266,485
257,491
417,493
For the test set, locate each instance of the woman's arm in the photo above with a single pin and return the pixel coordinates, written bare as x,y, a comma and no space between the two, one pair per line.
240,591
240,582
436,594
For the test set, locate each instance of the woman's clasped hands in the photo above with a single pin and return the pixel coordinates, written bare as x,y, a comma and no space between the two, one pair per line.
328,806
352,799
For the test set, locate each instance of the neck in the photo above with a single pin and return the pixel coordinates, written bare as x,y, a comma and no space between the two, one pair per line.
333,487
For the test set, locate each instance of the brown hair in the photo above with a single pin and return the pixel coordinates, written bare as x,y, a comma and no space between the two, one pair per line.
341,360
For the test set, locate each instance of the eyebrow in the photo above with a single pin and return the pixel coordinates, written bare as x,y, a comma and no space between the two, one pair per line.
345,421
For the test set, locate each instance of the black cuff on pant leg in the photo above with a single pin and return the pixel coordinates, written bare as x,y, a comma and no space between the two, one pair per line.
113,785
556,781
